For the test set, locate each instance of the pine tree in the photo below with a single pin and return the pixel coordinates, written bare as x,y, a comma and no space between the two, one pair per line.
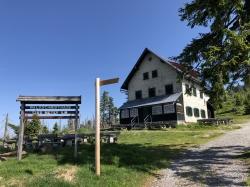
45,130
55,129
33,127
109,112
222,54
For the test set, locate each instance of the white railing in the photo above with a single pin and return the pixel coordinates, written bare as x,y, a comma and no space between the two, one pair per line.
146,120
133,121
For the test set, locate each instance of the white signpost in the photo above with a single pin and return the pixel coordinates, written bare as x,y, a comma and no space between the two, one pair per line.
98,84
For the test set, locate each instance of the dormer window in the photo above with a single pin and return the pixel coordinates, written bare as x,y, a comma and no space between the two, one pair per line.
145,76
154,74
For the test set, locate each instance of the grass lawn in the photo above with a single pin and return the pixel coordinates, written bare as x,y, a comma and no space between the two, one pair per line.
137,157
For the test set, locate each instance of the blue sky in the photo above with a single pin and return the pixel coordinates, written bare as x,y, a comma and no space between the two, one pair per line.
58,47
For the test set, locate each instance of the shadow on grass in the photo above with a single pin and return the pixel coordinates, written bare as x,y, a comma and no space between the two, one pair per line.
143,158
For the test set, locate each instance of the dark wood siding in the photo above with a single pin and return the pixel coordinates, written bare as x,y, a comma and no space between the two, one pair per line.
144,111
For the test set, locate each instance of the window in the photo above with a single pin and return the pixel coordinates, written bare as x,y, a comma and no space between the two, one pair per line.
125,113
154,74
189,111
169,108
203,113
169,89
196,112
157,110
201,94
150,58
133,112
151,92
145,76
138,94
187,89
194,92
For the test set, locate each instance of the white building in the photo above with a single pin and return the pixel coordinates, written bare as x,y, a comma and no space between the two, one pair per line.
157,92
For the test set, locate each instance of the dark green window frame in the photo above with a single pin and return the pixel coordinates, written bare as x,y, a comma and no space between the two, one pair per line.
196,112
145,76
154,74
201,94
189,111
194,92
203,113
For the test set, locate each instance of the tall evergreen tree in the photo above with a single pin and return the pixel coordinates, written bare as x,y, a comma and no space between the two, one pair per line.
104,106
55,128
222,55
33,127
109,112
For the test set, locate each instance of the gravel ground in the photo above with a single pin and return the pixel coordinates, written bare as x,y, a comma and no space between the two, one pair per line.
212,164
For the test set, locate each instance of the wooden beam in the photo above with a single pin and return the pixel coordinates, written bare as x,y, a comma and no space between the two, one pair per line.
97,127
50,107
76,126
50,99
21,132
109,81
5,129
50,112
51,117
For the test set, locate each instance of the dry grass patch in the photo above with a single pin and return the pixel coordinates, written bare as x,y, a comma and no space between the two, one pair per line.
66,173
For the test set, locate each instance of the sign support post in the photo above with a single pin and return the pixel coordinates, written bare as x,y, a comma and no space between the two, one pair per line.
21,132
5,130
76,127
98,84
97,127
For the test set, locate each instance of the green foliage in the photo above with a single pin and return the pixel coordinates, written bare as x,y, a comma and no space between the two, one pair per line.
45,130
109,113
237,102
55,129
33,127
222,54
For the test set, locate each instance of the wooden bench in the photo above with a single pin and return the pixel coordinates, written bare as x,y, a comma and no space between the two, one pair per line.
68,139
215,121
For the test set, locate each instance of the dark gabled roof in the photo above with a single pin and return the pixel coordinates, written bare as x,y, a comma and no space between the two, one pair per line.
152,101
178,67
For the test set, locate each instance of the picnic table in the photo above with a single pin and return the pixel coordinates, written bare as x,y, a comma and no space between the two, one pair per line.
68,139
215,121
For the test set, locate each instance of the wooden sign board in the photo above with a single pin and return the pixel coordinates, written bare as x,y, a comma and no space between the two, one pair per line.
52,117
50,107
50,112
109,81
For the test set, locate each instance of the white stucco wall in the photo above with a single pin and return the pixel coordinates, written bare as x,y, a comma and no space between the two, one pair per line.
166,75
193,101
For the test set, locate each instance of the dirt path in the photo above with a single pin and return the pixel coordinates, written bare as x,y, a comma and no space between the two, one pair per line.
212,164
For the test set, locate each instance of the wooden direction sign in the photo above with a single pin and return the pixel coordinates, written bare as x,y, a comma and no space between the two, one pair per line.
53,117
51,107
108,81
50,112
